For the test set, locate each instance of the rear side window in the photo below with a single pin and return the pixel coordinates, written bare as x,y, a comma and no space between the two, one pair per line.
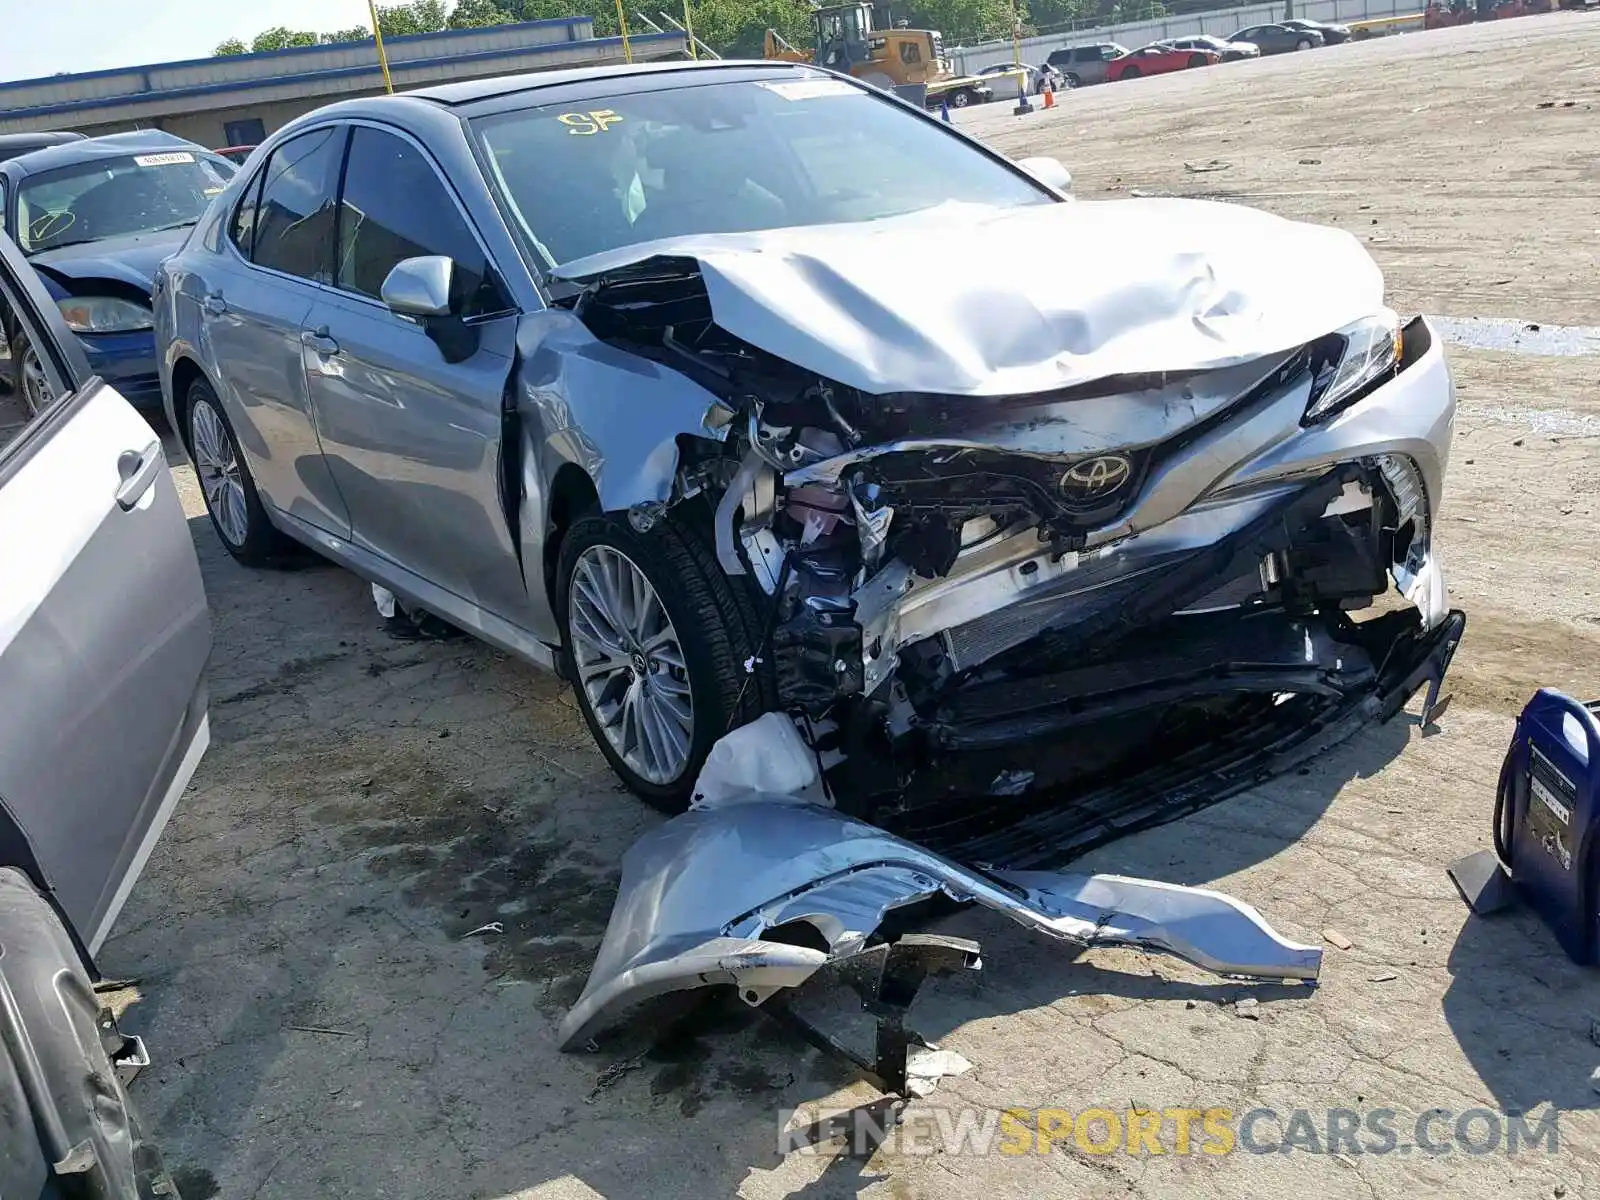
294,219
395,207
242,228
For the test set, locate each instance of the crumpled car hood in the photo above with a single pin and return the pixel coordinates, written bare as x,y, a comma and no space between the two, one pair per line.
701,894
969,300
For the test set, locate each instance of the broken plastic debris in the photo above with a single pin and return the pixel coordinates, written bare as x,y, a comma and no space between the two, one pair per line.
750,663
491,927
1012,782
384,599
926,1065
766,758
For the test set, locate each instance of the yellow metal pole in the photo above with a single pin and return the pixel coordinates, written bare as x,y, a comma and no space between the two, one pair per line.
377,36
688,25
622,23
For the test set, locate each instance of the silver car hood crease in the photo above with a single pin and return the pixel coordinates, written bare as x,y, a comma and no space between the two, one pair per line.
1025,300
701,894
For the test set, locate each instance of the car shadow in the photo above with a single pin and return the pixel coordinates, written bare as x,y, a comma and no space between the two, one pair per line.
1522,1013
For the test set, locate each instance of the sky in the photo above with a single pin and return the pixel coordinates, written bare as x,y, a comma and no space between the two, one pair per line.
91,35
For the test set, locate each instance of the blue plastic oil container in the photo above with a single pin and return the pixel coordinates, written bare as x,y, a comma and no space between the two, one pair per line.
1547,818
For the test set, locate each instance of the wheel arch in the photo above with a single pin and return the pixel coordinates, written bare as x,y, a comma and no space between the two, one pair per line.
572,495
185,372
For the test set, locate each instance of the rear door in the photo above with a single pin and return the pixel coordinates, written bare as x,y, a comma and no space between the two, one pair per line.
254,302
413,441
104,632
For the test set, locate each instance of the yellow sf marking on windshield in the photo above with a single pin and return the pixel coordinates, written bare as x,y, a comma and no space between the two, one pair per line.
588,124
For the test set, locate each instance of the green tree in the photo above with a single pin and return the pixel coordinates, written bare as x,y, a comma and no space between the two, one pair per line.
419,16
479,14
281,38
231,46
356,33
963,22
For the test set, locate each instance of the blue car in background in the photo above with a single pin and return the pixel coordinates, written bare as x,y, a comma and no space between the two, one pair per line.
95,218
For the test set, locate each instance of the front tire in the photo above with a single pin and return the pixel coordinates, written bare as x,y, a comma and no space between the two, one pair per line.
232,501
1197,60
655,639
1131,73
961,99
1303,44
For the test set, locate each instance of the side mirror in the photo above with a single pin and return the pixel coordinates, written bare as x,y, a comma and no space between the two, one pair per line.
420,288
1049,171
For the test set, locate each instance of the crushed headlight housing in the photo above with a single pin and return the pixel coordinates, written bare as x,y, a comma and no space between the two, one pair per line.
104,314
1346,364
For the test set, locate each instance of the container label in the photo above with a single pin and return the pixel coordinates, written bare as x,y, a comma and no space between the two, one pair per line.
1553,797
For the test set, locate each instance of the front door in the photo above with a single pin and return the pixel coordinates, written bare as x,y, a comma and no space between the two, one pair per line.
413,441
104,632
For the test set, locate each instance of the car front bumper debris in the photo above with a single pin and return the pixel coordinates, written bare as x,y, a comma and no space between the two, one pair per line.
760,895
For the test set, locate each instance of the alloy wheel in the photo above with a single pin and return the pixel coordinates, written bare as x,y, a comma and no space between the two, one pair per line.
36,390
217,467
629,664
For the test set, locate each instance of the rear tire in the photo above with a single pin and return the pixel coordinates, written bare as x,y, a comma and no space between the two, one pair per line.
28,382
1131,73
714,624
232,502
1071,80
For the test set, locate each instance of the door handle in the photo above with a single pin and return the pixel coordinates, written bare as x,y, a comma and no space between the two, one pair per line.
138,473
320,341
214,304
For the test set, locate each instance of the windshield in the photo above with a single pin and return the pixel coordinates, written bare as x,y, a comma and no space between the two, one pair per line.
113,197
586,177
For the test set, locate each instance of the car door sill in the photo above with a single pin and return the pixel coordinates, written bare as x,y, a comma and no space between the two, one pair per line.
473,618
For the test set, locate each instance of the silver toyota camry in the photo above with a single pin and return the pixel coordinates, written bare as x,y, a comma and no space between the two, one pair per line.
731,388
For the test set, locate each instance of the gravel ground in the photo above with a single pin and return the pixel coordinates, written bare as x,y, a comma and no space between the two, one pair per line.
323,1026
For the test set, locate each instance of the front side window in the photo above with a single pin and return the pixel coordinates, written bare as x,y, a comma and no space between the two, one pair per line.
294,219
596,175
395,207
117,197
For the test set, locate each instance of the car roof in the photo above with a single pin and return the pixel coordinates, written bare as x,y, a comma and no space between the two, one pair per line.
54,137
470,91
115,145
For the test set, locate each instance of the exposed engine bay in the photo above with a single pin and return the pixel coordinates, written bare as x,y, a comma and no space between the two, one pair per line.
949,575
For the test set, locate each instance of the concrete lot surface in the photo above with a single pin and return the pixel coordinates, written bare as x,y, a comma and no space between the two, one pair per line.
323,1026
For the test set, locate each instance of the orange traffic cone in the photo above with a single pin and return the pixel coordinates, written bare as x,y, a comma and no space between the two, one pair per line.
1049,96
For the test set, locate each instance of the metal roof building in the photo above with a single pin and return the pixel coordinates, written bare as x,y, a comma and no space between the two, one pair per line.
239,99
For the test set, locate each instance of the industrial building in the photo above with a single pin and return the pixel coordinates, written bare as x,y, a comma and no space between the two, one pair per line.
238,99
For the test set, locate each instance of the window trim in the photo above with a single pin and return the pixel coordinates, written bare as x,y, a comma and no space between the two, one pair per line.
473,232
257,182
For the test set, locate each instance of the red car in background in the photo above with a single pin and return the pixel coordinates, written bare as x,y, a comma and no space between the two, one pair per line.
1158,60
